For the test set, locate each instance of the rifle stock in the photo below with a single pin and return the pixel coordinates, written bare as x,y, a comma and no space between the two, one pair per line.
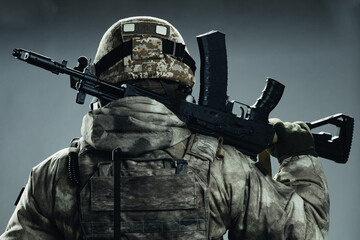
336,148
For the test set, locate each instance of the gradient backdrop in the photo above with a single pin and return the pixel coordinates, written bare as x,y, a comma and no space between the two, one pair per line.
311,46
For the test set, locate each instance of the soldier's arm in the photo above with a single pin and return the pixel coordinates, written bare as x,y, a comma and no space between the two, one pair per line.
305,175
301,170
254,206
32,217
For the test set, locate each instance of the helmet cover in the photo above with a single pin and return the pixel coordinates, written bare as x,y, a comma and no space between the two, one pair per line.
147,60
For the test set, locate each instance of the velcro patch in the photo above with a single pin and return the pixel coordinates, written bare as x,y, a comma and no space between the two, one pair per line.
204,147
147,48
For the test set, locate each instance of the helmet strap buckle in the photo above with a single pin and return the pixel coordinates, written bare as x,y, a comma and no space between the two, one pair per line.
178,51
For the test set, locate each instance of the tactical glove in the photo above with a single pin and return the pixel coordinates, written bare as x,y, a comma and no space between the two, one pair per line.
293,139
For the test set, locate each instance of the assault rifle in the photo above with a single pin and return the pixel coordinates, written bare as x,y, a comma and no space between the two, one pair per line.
249,132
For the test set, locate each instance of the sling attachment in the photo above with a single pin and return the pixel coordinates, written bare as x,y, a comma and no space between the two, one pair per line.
117,155
73,168
73,163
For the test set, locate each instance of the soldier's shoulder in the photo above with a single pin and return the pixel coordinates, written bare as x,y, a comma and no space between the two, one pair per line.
232,154
58,161
231,161
211,148
52,167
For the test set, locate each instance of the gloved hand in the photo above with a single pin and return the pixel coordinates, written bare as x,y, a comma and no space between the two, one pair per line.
293,139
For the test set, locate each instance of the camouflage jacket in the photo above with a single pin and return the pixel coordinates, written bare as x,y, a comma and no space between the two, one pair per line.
293,205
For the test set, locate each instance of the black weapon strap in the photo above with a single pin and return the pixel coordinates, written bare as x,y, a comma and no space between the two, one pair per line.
73,162
177,50
117,156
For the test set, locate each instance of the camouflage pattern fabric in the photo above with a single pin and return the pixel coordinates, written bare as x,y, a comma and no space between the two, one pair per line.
293,205
147,60
135,124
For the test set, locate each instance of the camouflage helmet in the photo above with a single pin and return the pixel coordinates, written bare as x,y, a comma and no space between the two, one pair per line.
143,48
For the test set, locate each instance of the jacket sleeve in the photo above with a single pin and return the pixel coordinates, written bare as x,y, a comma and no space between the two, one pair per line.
305,175
32,218
253,206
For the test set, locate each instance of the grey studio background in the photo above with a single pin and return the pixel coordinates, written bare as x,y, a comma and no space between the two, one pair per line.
311,46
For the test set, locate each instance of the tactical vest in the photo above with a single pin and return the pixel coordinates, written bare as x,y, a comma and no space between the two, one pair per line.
162,197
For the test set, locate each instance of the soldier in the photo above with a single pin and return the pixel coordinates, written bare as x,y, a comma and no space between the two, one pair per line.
175,184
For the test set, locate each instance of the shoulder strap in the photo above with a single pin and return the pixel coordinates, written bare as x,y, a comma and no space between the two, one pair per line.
73,162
